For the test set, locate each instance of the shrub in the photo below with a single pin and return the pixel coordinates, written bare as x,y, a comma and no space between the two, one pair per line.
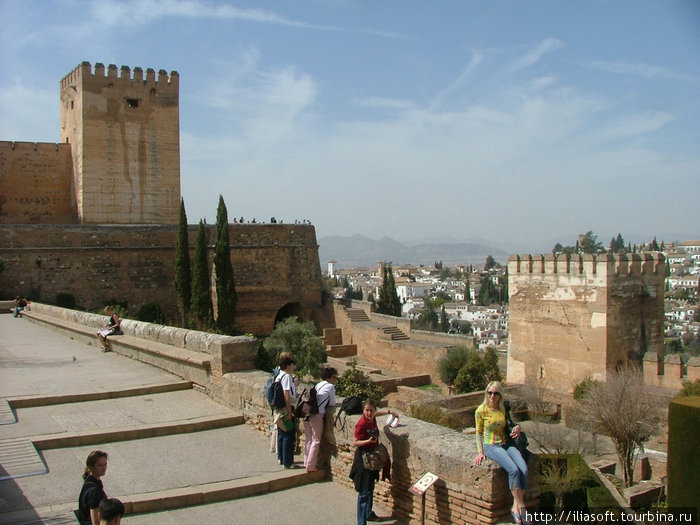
478,372
582,388
450,365
120,307
436,415
65,300
151,313
354,382
300,339
690,388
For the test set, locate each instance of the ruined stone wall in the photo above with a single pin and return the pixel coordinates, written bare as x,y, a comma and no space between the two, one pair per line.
36,183
577,317
276,268
125,138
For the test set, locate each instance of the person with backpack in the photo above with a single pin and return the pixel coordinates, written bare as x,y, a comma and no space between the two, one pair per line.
313,426
283,416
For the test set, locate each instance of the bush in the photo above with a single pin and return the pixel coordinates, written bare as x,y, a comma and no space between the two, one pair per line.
690,388
120,307
151,313
582,388
65,300
450,365
436,415
478,372
354,382
300,339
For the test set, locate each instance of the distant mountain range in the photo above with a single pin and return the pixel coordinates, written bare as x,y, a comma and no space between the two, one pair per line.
357,250
351,252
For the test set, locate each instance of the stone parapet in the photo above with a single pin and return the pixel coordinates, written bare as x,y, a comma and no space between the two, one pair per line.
465,493
668,371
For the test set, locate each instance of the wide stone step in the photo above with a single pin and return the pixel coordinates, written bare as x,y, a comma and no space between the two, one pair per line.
356,314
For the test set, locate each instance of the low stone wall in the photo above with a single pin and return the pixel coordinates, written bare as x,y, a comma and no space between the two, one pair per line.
667,372
200,357
464,494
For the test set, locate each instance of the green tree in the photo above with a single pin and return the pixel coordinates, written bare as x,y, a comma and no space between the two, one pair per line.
589,243
225,286
388,303
467,290
354,382
478,371
450,365
617,244
490,263
654,246
428,318
202,309
183,276
489,292
299,338
444,325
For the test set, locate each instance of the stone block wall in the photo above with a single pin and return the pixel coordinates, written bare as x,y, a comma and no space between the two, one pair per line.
276,268
464,494
573,317
125,136
36,183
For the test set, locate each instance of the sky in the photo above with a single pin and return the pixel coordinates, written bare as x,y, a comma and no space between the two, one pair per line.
512,121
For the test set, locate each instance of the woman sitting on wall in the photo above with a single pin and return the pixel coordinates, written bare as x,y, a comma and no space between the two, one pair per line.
113,327
491,443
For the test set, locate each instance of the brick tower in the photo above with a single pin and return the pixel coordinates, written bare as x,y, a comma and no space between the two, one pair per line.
124,134
574,317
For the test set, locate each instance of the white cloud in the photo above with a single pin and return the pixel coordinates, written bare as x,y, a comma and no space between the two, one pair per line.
637,70
141,12
535,55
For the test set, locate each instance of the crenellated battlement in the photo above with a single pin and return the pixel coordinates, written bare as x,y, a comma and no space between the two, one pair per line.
85,72
601,265
21,147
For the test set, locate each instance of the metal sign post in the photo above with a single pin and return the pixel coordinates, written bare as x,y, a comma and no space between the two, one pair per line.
420,488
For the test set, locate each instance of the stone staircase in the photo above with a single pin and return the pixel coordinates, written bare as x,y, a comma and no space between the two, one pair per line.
392,333
356,315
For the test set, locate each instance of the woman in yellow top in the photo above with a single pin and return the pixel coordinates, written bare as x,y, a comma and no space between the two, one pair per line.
491,443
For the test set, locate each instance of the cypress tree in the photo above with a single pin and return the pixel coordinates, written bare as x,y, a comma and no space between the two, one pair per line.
389,302
225,287
202,309
183,277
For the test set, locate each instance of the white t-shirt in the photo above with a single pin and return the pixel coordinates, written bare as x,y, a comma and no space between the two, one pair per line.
325,391
288,384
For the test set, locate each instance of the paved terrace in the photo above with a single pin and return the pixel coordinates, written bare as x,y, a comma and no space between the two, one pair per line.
175,456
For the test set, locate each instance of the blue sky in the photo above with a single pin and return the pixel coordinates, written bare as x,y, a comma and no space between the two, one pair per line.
511,121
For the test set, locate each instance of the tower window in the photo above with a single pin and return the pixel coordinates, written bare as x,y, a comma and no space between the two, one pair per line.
71,103
132,102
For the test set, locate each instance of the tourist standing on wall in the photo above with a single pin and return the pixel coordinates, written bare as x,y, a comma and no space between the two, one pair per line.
366,438
92,492
313,428
491,443
283,417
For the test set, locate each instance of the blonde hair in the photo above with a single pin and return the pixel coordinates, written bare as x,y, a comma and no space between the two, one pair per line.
494,386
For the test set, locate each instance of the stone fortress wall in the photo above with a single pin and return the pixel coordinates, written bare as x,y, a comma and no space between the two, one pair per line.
276,268
36,182
125,137
96,215
573,317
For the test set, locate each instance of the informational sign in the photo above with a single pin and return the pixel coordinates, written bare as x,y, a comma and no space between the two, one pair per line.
423,484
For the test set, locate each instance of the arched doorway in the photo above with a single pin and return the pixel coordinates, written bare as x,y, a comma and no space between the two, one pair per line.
289,310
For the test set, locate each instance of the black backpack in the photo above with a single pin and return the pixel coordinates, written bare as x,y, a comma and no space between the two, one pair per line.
351,405
274,393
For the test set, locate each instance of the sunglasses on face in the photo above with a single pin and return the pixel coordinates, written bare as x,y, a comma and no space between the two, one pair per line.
493,393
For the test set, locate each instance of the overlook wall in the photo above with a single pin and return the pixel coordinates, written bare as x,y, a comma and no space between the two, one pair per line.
573,317
276,268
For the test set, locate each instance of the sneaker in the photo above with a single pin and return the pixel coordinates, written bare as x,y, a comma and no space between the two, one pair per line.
373,517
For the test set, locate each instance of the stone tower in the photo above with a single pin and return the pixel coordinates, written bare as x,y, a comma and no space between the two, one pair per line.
125,141
573,317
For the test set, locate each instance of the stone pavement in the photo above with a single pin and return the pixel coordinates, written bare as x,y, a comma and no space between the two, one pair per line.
170,446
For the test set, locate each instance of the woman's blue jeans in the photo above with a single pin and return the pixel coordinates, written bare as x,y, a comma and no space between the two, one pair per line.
285,446
511,460
365,497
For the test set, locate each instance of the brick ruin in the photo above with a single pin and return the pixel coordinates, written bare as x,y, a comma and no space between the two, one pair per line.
573,317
